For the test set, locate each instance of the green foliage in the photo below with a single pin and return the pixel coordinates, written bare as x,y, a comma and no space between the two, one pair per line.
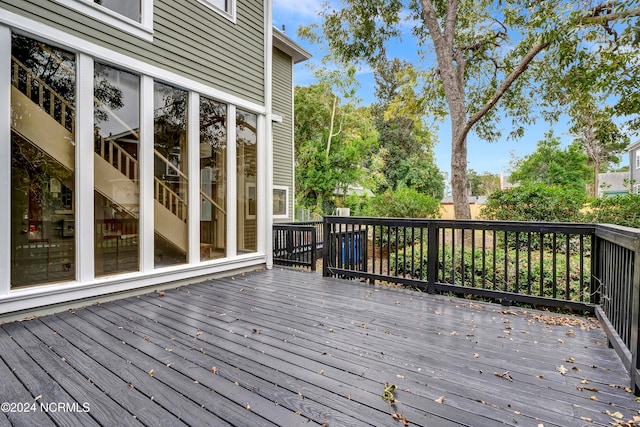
553,166
536,202
403,203
332,143
620,210
483,184
465,268
405,154
493,58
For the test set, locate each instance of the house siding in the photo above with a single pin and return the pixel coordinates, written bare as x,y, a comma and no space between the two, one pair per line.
189,39
283,132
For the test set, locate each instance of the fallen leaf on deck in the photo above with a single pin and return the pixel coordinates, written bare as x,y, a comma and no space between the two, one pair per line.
504,375
399,417
562,369
617,415
151,373
440,399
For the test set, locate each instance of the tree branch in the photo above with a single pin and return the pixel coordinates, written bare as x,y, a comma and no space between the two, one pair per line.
502,89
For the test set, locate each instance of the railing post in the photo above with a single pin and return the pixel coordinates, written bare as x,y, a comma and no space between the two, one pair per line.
314,257
635,318
325,248
595,290
432,257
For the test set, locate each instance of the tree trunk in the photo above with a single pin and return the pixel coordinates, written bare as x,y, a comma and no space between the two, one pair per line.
596,178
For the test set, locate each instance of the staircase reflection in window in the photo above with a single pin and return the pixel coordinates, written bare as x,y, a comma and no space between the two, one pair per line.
43,86
170,175
247,154
213,182
116,171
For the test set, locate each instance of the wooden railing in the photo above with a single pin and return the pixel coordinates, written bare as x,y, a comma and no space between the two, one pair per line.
295,245
616,277
39,92
583,267
512,261
117,157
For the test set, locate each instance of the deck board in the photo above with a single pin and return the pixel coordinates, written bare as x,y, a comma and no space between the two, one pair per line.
288,347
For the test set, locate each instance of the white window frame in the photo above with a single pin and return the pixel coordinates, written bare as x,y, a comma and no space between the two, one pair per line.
229,14
142,29
637,154
286,198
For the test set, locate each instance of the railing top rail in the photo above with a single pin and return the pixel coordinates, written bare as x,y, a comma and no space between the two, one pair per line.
545,227
294,227
626,237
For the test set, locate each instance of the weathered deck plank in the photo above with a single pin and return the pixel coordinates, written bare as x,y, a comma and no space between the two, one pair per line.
286,347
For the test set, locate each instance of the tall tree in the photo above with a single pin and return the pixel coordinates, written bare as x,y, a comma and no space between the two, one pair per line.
405,156
554,166
601,140
483,50
332,143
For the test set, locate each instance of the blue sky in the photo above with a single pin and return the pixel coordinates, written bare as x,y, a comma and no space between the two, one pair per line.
482,156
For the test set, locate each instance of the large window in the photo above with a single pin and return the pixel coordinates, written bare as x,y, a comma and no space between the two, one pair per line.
213,179
170,175
117,175
42,163
246,167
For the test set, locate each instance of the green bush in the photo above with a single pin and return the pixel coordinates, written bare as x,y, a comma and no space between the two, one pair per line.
620,210
536,202
452,270
403,203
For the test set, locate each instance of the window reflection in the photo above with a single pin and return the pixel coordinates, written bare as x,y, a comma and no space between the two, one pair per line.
170,175
247,154
43,87
116,176
213,182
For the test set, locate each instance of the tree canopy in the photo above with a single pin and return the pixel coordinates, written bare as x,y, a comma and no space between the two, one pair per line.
483,57
552,165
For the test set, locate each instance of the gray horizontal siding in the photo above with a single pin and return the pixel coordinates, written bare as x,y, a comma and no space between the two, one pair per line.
189,39
283,132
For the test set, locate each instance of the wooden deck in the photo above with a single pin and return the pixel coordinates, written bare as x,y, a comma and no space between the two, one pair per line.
288,348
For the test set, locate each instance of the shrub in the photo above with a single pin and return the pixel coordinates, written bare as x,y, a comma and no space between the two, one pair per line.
472,269
620,210
537,202
404,203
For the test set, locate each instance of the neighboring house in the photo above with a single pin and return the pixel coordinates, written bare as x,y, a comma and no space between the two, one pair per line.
634,166
613,183
143,142
476,203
